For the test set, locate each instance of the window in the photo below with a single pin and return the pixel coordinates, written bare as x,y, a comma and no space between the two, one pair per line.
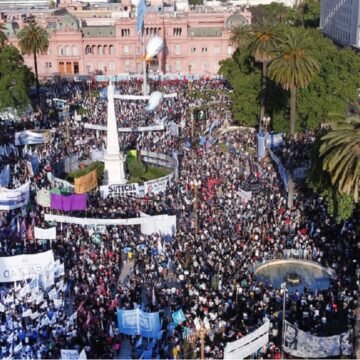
177,31
68,51
101,66
178,65
75,51
167,68
48,66
138,67
205,65
204,50
127,65
177,49
76,67
61,51
111,66
100,50
125,32
126,49
89,68
229,50
216,50
48,52
111,50
193,50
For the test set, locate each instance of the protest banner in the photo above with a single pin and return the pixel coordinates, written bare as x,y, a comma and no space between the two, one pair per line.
69,354
14,198
119,190
178,317
43,197
28,137
138,322
245,195
23,267
45,234
162,224
304,345
158,185
71,202
120,129
248,344
85,183
59,183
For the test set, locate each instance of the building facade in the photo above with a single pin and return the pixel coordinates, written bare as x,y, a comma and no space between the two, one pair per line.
194,42
340,20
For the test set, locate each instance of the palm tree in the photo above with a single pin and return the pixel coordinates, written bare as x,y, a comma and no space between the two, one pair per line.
3,37
33,39
340,151
240,36
294,67
264,43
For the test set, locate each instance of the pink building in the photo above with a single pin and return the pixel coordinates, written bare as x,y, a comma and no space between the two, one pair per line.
194,42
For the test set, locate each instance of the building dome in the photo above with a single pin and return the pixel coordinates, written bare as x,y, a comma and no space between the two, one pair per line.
67,22
235,20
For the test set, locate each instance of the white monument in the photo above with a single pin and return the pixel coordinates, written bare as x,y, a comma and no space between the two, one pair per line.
113,159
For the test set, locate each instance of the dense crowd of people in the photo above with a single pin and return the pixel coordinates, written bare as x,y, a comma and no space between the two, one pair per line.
207,269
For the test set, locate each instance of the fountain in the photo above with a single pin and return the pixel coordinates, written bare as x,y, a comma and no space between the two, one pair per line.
296,273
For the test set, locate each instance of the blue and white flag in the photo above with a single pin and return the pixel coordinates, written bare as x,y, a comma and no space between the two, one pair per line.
261,145
178,317
141,8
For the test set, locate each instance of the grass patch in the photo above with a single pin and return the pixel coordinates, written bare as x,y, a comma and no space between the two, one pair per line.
150,173
96,165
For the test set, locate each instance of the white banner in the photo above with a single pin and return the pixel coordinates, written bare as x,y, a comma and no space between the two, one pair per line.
23,267
121,129
246,195
45,234
69,354
301,344
59,183
248,344
119,190
162,224
14,198
158,185
31,137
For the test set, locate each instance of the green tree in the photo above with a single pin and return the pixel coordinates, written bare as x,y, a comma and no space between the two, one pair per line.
3,37
340,151
341,206
33,39
240,36
264,43
294,68
15,79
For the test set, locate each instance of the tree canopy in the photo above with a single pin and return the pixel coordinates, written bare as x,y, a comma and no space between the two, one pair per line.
332,90
15,79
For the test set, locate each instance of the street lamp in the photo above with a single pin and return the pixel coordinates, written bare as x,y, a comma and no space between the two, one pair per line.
195,185
284,291
202,328
266,122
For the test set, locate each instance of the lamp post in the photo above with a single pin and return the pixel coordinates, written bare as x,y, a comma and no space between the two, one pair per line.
202,328
195,185
284,290
266,122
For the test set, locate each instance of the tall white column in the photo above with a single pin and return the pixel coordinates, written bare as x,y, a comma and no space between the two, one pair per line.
114,158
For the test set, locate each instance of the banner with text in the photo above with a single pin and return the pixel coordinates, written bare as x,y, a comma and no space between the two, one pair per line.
301,344
23,267
248,344
119,190
14,198
138,322
158,185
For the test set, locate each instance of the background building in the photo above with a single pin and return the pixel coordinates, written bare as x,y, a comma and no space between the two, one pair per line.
340,20
195,42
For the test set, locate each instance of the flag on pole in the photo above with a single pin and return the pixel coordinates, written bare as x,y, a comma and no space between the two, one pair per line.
141,8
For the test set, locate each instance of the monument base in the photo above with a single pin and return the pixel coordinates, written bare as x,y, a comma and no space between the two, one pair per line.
114,169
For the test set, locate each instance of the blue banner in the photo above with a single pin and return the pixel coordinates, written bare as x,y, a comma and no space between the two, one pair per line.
138,322
141,8
178,317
